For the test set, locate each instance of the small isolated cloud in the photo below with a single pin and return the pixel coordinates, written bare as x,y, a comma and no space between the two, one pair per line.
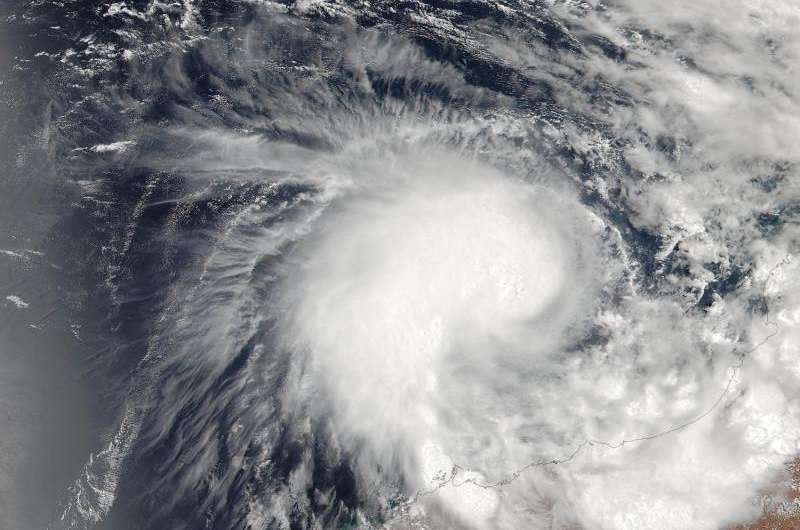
118,147
17,301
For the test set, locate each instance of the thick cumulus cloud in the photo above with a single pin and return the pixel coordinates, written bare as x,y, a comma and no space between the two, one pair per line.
711,124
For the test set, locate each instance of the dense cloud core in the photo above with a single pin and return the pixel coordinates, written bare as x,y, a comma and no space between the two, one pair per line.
422,302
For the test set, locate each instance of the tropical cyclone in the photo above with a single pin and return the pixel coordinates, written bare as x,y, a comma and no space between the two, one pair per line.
419,292
492,264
